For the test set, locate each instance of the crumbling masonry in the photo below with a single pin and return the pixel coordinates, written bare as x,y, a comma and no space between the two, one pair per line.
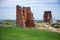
24,17
47,16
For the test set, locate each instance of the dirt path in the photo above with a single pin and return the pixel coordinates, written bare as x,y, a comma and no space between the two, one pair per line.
54,29
44,26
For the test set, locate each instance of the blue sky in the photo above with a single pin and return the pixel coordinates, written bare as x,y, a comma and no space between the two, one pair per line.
8,8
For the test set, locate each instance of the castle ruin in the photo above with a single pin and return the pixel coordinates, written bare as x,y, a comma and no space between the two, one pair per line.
47,16
24,17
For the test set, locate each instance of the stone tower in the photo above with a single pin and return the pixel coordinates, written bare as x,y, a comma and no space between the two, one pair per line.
24,17
47,16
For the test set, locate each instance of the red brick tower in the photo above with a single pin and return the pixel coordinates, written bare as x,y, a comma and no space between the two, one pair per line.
47,16
19,20
29,18
24,17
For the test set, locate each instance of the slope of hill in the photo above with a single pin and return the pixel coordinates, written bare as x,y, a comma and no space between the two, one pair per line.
17,33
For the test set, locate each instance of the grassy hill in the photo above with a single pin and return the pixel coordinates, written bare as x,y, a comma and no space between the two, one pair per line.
17,33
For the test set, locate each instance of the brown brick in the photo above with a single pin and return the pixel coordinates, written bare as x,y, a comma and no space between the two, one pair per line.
24,16
47,16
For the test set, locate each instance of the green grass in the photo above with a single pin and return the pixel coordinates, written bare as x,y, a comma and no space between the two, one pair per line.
16,33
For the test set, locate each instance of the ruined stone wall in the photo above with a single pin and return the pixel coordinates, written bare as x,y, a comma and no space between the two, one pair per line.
19,16
30,19
47,16
24,16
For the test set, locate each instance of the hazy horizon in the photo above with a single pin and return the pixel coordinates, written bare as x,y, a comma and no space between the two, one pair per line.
8,8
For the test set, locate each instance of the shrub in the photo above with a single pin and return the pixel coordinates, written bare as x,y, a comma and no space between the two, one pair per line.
56,25
7,22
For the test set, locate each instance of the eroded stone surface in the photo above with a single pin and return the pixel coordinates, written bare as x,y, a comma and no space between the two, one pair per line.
24,16
47,16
